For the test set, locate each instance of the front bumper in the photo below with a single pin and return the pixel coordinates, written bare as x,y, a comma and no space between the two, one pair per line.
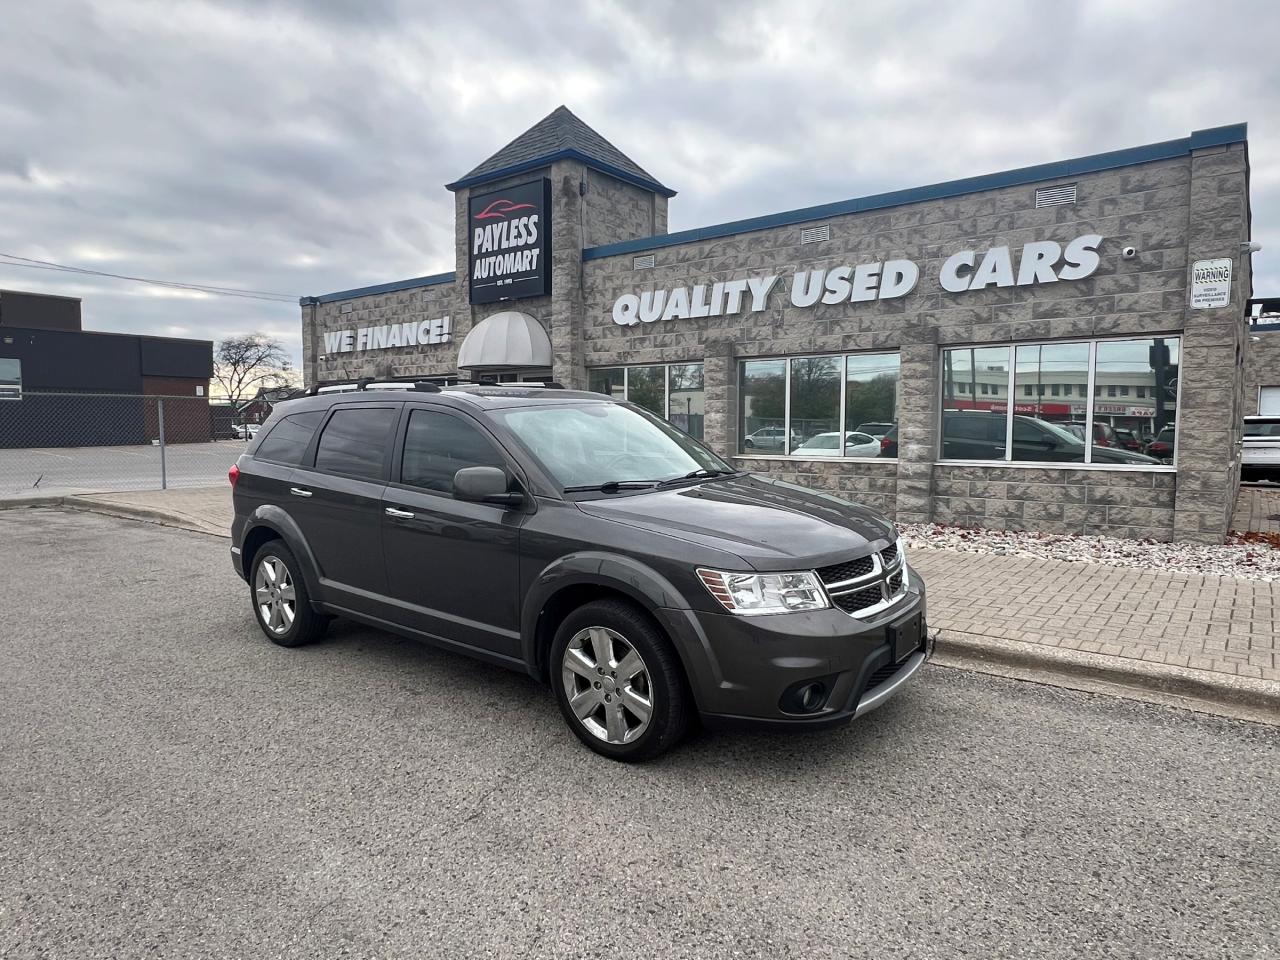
741,668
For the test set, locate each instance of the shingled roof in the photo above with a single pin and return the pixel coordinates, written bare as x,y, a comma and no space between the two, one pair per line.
561,135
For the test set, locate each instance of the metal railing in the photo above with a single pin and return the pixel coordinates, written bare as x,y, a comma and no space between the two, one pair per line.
89,442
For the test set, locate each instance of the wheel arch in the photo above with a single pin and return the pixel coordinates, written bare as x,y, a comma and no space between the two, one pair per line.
269,523
582,578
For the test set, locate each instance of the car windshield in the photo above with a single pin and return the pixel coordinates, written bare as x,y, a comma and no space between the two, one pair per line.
591,444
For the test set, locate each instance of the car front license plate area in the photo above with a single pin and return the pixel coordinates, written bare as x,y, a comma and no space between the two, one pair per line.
905,636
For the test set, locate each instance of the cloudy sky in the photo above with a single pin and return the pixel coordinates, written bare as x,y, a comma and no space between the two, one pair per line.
302,147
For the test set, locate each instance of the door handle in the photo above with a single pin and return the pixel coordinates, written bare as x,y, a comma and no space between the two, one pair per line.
398,514
299,492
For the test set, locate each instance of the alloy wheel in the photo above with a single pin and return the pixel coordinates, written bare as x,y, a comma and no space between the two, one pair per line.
607,684
275,596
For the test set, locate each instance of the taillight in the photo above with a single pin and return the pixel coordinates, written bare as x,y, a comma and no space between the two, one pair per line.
233,475
884,446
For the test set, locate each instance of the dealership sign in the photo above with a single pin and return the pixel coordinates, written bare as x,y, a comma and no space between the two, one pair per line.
422,333
509,237
1043,261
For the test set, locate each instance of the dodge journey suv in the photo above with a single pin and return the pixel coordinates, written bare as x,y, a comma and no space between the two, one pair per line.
584,541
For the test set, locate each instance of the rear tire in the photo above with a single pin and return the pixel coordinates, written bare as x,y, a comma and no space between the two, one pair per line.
619,682
280,600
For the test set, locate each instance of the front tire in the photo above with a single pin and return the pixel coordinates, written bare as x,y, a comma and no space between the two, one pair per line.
618,681
279,596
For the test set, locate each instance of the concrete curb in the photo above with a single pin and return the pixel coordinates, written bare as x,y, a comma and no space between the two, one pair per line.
165,518
16,503
1244,698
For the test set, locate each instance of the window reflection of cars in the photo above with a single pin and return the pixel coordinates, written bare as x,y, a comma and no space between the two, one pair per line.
877,430
979,435
1104,435
828,445
1162,446
769,438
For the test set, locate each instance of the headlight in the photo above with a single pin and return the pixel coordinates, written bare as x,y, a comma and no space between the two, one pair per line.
757,593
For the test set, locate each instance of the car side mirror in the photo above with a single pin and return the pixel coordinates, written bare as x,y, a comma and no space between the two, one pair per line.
485,485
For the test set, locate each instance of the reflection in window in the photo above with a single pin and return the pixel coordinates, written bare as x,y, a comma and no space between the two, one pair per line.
794,406
1128,420
1038,364
763,409
674,392
1151,364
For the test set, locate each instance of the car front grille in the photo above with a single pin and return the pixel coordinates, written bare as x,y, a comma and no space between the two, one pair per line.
863,586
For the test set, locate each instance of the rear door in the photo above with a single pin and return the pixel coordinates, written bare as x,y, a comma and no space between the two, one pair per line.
452,566
336,497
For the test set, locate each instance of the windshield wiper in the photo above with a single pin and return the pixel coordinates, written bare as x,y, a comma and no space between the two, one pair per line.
613,486
701,473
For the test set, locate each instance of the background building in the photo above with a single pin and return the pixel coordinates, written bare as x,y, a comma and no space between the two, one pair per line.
64,386
1106,290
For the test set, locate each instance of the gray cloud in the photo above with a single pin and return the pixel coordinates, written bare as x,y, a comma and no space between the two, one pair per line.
302,147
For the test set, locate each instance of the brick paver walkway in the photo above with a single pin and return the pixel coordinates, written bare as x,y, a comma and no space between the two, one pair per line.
1217,624
1220,624
1257,510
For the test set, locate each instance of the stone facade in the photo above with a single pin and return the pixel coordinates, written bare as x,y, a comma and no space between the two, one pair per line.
1172,211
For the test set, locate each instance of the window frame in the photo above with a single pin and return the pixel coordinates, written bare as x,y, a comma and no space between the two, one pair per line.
400,436
787,431
1092,396
307,452
313,449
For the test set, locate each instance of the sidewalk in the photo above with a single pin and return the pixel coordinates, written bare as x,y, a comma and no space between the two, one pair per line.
1204,638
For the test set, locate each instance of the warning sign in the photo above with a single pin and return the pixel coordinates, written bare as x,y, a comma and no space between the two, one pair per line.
1210,283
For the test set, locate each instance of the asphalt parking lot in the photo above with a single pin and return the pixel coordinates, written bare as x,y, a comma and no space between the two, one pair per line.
175,786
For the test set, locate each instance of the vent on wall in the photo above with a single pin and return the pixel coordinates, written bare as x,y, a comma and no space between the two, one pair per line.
1055,196
640,263
815,234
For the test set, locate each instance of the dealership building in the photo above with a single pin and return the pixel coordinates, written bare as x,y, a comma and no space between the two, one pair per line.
963,338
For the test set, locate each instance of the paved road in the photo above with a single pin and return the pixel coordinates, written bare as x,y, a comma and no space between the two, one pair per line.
174,786
65,470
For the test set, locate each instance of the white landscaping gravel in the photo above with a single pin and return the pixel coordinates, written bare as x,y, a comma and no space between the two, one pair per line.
1250,561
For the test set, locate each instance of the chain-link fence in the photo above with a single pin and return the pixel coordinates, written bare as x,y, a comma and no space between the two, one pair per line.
80,442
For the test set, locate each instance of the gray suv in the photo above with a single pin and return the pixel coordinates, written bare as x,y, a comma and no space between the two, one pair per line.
584,541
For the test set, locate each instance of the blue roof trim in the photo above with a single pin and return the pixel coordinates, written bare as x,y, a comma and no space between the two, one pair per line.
568,153
1167,150
430,281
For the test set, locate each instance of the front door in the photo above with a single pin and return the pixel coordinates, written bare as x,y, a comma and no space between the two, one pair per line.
336,498
452,566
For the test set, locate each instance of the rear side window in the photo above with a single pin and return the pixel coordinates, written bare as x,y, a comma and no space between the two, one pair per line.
1262,428
354,442
288,439
437,446
966,428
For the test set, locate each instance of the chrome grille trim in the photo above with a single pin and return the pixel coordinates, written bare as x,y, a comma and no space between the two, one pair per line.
889,574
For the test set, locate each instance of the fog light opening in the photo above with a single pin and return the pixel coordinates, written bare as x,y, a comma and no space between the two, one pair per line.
812,696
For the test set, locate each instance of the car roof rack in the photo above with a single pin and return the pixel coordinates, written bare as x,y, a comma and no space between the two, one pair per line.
423,386
553,385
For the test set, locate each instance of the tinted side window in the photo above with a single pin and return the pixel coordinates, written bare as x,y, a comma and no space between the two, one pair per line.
965,428
354,442
288,439
437,446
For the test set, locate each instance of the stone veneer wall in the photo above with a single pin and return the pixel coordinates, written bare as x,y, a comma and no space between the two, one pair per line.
1172,211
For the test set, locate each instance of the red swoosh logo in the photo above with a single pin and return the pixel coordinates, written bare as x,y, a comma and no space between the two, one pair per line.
500,208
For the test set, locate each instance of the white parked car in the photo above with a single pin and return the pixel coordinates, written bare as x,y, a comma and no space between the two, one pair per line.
828,445
1260,449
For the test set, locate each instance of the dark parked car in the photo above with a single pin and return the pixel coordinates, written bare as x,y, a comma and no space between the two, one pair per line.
1104,435
980,435
1161,447
584,541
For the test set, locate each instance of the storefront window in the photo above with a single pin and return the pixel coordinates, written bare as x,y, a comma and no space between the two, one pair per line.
804,406
611,381
1052,366
10,379
674,392
685,397
1126,420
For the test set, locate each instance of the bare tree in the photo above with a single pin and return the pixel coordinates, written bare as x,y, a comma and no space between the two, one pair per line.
244,365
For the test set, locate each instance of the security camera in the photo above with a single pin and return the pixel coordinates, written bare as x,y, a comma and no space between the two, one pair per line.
1129,252
1250,246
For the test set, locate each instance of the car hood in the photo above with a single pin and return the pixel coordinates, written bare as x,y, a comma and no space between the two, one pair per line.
1120,455
771,524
